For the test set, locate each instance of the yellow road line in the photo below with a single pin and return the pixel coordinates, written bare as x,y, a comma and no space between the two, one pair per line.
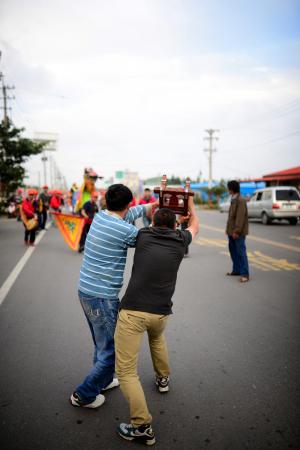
258,239
254,263
213,242
258,261
295,237
281,263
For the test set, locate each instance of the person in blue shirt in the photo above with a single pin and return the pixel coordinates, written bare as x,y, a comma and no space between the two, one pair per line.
101,279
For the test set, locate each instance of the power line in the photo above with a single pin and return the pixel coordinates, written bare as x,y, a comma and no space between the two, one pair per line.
271,141
279,112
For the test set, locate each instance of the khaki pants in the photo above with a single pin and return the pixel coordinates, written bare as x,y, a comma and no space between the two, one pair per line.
130,328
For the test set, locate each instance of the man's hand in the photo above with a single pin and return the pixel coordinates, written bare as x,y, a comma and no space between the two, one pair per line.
182,219
235,236
150,208
155,204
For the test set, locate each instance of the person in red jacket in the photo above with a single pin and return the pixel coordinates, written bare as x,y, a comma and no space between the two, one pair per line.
56,201
28,212
147,198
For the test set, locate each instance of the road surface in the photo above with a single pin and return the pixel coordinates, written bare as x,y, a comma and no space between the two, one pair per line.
234,348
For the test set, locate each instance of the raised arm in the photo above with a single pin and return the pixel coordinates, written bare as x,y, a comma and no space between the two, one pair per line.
194,226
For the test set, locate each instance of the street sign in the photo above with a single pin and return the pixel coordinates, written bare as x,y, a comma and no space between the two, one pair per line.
50,139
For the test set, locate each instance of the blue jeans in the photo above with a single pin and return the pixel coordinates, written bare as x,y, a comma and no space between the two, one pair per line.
238,253
101,315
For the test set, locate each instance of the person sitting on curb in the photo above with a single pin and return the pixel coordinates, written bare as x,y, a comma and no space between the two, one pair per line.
237,229
146,306
100,282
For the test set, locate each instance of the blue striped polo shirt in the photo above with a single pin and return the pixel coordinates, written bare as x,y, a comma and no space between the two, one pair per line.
105,253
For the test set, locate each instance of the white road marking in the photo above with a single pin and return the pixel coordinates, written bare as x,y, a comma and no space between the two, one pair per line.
10,280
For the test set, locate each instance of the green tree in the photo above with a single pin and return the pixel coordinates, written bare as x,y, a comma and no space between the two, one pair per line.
216,192
220,189
15,150
174,180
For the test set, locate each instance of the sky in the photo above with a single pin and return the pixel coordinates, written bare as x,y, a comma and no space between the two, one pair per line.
134,84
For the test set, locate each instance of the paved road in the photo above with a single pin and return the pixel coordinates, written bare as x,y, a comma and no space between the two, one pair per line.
234,349
11,248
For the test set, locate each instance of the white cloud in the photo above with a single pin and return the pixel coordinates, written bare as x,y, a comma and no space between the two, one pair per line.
116,85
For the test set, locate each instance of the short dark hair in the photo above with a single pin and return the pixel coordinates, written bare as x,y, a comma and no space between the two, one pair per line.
118,197
147,190
164,218
234,186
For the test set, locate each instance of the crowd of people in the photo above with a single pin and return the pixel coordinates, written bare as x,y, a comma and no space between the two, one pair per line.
32,208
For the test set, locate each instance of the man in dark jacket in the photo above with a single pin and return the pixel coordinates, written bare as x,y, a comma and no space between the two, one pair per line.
146,307
43,206
237,229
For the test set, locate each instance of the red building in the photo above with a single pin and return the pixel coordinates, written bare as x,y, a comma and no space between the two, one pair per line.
289,177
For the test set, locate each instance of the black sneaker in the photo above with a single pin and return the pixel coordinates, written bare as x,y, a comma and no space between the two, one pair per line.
143,433
163,384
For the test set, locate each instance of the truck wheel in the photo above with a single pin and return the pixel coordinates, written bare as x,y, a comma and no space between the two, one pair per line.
293,221
265,219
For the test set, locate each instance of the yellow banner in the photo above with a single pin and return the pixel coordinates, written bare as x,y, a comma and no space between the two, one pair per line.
70,227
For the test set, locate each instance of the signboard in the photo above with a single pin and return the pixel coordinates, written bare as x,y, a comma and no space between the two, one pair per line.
50,138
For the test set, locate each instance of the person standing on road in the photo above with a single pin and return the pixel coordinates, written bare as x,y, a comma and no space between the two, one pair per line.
146,306
88,211
101,279
56,201
28,213
43,206
237,229
73,192
145,200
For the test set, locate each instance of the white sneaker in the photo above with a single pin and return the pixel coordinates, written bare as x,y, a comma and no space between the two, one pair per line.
113,384
77,401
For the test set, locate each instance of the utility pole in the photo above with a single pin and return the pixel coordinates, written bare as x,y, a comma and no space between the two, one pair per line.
5,98
44,159
211,138
51,171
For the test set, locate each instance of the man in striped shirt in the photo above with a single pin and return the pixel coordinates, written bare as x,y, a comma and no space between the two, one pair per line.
101,279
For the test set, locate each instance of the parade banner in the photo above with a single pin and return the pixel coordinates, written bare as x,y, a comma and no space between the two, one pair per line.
70,227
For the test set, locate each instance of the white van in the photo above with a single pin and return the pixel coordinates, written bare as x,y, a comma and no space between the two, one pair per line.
275,203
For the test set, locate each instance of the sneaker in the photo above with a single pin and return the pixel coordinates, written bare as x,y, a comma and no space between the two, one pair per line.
113,384
76,400
143,433
163,384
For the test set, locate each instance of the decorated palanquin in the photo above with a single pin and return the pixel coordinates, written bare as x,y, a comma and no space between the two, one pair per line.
175,199
87,188
71,227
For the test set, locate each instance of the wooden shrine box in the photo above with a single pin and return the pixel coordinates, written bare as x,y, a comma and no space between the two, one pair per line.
175,199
